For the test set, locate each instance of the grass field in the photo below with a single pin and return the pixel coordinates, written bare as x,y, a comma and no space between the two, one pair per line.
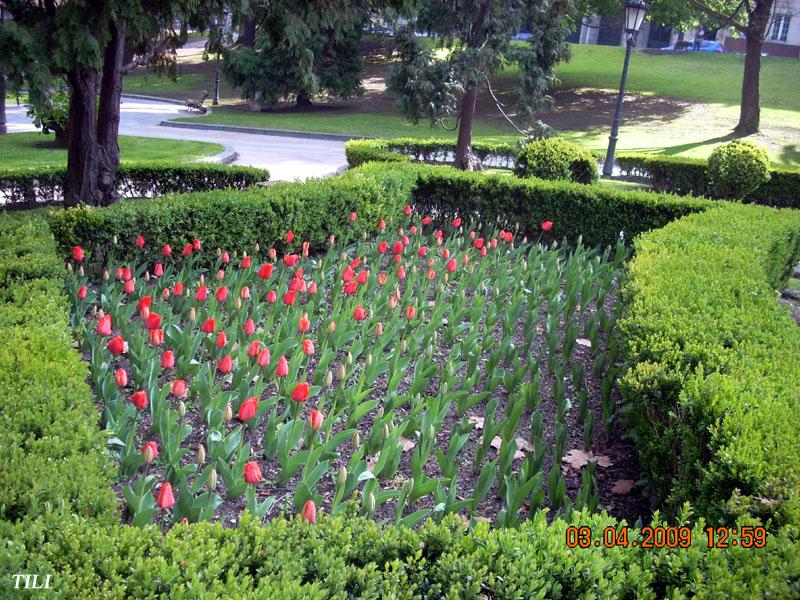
36,150
677,104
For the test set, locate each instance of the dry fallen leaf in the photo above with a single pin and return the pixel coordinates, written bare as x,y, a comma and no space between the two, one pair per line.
584,342
623,487
496,442
524,445
477,421
372,461
406,444
577,459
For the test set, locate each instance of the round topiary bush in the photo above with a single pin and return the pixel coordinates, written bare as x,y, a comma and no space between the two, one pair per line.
554,158
736,169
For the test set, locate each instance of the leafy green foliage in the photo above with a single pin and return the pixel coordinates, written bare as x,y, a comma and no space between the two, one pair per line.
31,187
737,169
713,359
555,158
434,150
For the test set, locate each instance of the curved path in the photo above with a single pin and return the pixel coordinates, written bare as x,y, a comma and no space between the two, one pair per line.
286,158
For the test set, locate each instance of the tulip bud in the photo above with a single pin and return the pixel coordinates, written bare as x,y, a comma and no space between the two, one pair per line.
80,270
341,478
238,303
201,454
328,378
181,409
258,246
431,432
331,326
379,329
379,414
148,454
345,257
147,275
349,358
106,275
144,313
114,239
165,293
94,310
202,278
369,504
340,372
385,432
403,346
369,359
429,351
212,480
228,413
356,441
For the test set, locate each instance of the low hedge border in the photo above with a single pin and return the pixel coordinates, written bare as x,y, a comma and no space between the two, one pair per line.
433,150
51,450
678,175
714,362
28,188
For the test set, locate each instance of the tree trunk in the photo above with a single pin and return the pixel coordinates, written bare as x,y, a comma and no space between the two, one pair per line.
303,100
80,181
750,107
109,112
3,120
464,158
248,35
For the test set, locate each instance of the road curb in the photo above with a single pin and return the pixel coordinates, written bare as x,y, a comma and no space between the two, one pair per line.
335,137
156,99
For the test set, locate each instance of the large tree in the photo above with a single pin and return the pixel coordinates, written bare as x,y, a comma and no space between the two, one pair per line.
297,49
473,41
85,42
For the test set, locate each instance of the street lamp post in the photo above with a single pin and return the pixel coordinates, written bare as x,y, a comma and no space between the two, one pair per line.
635,11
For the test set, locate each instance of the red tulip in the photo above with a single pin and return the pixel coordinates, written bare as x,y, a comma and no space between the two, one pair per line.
478,243
249,327
168,359
382,278
401,273
315,419
300,392
413,230
77,253
381,224
312,288
145,302
196,245
353,217
445,253
482,251
226,258
308,347
289,236
139,241
165,499
359,314
222,294
309,514
121,375
222,340
153,321
156,337
153,448
306,247
431,274
382,247
406,210
246,261
351,288
272,297
465,258
254,348
187,250
265,272
456,222
290,260
139,399
282,370
248,409
104,325
129,287
117,345
166,250
363,276
226,364
410,312
289,297
158,270
82,291
209,326
348,275
201,294
452,265
177,289
423,250
547,225
252,472
304,324
427,221
119,273
263,359
398,247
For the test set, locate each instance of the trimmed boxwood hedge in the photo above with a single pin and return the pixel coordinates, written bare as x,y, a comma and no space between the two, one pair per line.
28,187
714,362
701,312
433,150
679,175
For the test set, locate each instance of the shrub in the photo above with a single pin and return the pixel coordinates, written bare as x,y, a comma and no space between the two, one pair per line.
425,150
51,450
713,362
28,188
554,158
737,169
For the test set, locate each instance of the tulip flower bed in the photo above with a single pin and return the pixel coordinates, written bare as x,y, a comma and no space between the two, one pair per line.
422,372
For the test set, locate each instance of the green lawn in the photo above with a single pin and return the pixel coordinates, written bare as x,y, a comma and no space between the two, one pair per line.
37,150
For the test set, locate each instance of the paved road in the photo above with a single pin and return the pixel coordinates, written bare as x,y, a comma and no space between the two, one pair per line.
287,158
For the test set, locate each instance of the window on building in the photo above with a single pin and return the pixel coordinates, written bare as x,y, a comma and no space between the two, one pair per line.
780,28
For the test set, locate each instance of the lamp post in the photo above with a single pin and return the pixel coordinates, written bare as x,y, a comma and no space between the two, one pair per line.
635,11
